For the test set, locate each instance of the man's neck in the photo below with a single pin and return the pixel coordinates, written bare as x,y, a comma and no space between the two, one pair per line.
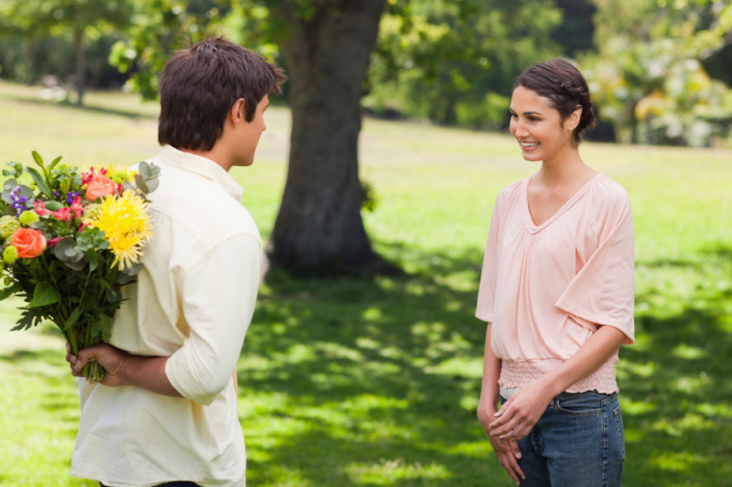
218,155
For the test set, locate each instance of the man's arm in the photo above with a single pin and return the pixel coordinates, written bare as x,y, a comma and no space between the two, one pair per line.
218,297
124,369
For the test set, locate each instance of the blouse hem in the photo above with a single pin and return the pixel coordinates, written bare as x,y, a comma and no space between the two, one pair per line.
516,374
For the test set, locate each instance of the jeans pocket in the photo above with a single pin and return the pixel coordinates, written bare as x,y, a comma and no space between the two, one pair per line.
583,404
618,414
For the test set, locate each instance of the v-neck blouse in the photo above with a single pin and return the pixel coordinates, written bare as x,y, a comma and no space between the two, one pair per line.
546,289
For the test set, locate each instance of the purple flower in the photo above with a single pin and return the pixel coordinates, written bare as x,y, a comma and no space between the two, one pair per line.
18,201
71,195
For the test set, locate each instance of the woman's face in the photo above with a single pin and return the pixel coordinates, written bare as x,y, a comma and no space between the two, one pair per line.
537,126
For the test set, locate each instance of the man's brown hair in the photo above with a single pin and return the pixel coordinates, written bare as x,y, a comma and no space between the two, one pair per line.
200,85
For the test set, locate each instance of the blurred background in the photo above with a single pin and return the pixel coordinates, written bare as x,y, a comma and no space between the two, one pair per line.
365,368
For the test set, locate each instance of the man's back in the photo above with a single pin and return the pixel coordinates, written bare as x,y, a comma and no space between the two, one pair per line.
193,302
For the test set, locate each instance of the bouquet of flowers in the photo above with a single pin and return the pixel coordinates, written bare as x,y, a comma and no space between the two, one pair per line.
69,241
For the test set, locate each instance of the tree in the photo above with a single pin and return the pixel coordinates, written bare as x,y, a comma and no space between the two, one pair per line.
80,18
455,61
648,77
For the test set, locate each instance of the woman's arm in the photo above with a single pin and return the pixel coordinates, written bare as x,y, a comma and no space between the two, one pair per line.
506,451
523,409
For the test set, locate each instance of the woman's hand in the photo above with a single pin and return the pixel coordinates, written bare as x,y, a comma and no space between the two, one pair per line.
107,356
521,412
508,452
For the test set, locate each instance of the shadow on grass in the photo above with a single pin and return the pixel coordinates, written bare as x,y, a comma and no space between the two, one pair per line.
85,108
347,382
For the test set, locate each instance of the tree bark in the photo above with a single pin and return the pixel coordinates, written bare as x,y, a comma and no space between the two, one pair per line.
319,228
80,65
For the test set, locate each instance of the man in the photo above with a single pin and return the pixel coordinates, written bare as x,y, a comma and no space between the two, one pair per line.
167,412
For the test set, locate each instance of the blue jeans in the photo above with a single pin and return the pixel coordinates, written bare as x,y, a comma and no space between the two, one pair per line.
577,442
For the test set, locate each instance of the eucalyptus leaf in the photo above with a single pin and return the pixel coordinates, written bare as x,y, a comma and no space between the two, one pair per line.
44,294
75,266
145,170
141,183
10,184
60,249
152,184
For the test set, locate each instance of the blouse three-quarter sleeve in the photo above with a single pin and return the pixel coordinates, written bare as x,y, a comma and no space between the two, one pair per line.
602,292
489,274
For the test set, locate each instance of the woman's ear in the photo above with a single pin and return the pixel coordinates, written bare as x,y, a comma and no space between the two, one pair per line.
573,120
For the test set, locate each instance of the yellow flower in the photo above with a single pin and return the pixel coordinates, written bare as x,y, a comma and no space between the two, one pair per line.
126,226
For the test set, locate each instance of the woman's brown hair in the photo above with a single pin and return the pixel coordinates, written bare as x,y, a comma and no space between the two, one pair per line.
200,85
566,89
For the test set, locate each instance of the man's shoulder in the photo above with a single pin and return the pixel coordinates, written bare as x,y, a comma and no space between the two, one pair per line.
200,206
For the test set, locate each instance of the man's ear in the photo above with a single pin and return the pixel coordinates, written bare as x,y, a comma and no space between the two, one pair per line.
237,113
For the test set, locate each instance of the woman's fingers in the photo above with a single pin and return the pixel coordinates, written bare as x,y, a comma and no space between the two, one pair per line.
504,458
506,428
515,449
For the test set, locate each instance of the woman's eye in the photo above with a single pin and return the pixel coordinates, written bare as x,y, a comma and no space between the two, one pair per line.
533,119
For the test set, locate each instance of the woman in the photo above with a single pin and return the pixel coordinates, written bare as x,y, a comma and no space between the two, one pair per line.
557,293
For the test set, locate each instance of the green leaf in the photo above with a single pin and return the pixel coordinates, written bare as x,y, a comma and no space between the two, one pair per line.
152,184
140,181
144,169
9,291
29,318
53,205
44,294
102,327
74,317
40,181
54,163
37,157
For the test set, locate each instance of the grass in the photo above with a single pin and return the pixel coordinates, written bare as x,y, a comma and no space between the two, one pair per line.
375,382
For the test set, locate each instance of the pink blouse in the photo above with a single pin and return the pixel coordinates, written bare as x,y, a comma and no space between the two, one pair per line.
547,289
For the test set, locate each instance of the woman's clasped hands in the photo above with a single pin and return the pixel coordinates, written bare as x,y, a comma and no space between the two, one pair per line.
521,412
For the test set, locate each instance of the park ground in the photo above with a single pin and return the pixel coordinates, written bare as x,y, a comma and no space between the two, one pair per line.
375,382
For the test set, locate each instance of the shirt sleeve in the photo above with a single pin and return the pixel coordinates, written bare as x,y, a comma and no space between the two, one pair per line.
602,292
218,298
489,274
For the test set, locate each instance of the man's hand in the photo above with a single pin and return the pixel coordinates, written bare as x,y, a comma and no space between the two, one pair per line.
508,452
521,412
112,359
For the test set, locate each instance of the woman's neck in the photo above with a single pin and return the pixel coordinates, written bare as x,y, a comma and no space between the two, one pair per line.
563,167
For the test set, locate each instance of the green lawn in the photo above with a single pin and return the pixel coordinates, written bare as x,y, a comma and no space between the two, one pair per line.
375,382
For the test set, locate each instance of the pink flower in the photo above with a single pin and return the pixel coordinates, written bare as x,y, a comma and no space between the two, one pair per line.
41,208
77,208
53,242
64,214
99,187
81,227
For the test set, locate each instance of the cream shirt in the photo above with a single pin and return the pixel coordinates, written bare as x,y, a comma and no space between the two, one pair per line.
192,302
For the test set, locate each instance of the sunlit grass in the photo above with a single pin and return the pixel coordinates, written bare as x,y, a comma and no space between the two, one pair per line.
375,382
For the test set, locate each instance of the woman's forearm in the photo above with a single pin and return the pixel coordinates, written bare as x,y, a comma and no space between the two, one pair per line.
595,352
491,373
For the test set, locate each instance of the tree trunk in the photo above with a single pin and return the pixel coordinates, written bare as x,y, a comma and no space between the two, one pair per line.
31,56
80,65
319,227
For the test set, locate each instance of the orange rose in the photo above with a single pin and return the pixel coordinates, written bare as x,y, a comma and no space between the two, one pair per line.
99,187
30,243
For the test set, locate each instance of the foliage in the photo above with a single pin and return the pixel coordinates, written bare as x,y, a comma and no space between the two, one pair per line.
159,28
454,62
648,78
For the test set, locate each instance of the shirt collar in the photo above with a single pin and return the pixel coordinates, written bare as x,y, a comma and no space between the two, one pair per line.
203,167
